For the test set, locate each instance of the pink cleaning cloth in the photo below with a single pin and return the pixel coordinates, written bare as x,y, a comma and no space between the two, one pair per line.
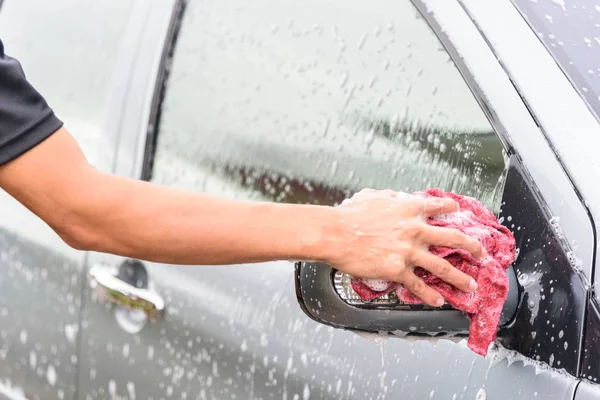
484,306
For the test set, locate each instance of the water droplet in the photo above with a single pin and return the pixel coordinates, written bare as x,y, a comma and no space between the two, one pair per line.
71,332
51,375
370,138
481,394
131,390
362,40
23,336
523,279
32,359
306,392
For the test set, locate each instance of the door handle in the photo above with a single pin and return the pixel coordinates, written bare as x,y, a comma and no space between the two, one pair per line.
107,285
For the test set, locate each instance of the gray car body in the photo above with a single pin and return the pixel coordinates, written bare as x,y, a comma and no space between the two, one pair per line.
237,331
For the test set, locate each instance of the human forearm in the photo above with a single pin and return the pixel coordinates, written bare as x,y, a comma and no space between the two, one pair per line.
147,221
96,211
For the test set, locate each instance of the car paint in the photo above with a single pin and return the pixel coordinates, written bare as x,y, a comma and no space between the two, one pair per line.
586,391
590,368
237,331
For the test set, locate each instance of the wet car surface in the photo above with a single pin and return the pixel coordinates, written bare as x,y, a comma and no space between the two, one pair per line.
307,102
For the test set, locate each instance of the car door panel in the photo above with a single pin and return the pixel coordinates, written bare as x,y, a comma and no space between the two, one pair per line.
206,345
236,331
215,344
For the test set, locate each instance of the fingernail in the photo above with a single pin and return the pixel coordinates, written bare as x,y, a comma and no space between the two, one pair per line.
472,285
439,302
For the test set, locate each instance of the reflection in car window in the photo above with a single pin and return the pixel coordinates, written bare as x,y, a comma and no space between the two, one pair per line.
75,72
271,100
571,32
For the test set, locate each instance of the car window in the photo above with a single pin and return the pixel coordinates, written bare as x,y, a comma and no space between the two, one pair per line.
271,100
73,65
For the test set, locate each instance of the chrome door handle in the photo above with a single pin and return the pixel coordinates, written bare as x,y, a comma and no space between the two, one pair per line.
106,284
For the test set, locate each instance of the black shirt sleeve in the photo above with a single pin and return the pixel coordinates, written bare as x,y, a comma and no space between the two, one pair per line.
25,117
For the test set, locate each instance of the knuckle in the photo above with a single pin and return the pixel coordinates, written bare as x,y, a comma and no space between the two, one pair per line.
418,287
397,276
406,251
448,202
413,228
401,266
415,204
444,269
459,238
435,203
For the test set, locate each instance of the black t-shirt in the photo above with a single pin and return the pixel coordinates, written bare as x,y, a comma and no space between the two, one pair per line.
25,117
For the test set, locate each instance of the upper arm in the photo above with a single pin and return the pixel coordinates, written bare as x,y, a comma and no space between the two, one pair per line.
39,160
48,178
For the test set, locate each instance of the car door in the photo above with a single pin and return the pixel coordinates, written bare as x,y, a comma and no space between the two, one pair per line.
274,101
309,102
78,55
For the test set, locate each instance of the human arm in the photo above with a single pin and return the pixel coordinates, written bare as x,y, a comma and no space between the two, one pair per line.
379,235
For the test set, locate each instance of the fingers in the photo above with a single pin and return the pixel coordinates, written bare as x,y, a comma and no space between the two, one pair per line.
421,290
435,206
453,238
444,270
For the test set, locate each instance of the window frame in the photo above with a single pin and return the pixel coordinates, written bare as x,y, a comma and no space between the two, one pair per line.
149,146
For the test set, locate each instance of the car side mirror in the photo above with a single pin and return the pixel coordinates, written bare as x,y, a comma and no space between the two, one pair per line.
326,296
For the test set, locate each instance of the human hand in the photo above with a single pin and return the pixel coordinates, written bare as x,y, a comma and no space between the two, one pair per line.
384,235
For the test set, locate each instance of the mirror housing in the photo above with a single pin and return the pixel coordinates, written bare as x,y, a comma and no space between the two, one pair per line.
325,295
